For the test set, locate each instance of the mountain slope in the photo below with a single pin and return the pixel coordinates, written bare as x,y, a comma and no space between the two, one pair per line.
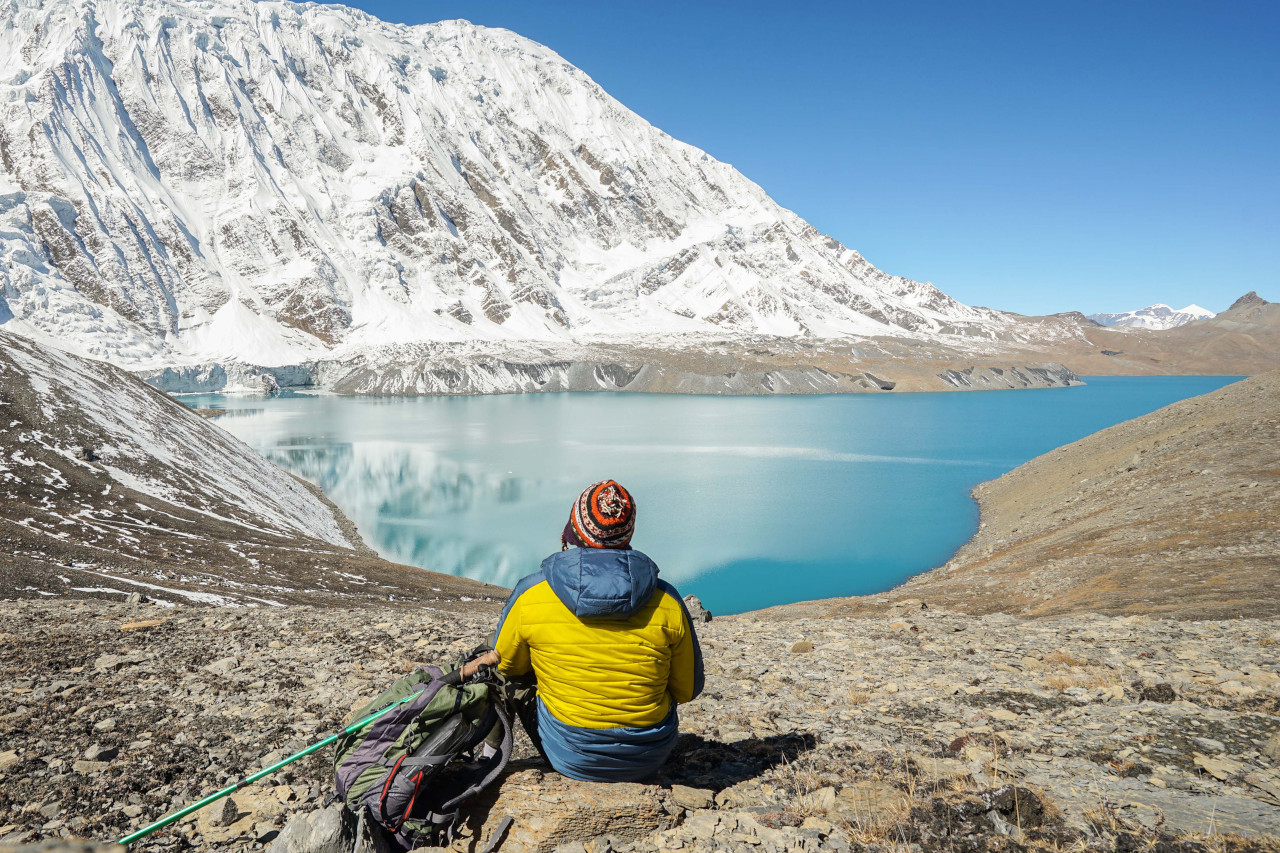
1158,316
108,486
273,182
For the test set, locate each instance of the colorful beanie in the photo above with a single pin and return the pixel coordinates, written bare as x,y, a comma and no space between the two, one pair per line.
603,516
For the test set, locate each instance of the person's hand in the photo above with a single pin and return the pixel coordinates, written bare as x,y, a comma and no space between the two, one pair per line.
489,658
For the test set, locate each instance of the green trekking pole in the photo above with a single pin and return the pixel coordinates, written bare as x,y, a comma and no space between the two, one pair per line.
249,780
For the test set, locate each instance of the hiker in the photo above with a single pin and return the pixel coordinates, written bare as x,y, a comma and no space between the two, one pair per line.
599,649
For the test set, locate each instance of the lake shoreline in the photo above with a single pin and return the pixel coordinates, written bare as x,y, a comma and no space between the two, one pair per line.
823,482
1171,514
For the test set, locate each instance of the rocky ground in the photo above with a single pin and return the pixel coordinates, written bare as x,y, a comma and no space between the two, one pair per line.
919,728
1176,513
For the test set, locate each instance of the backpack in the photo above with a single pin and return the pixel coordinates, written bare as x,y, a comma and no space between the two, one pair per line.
411,769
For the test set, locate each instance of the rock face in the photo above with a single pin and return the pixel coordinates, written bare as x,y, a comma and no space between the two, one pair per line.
1032,376
948,730
756,366
111,488
778,369
290,181
1174,513
1249,300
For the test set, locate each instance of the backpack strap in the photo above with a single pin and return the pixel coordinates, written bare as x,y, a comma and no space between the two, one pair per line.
355,848
504,756
499,834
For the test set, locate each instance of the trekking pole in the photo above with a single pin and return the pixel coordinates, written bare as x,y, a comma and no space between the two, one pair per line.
249,780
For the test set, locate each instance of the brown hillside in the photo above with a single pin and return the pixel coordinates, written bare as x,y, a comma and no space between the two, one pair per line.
1244,340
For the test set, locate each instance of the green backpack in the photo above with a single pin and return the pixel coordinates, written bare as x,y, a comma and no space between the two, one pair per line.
412,768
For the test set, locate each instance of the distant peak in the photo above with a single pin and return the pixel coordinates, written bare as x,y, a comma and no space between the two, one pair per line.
1250,298
1157,316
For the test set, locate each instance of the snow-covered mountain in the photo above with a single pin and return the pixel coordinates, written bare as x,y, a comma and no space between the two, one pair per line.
265,182
1158,316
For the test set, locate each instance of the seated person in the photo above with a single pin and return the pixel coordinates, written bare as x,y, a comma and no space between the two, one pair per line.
612,648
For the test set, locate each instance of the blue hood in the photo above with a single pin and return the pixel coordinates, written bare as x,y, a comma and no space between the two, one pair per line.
601,582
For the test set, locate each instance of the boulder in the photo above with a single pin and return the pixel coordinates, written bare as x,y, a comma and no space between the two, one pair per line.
697,612
692,798
551,810
329,830
242,819
223,665
225,813
1219,767
111,663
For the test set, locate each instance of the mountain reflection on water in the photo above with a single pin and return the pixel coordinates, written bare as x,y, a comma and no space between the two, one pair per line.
745,501
406,495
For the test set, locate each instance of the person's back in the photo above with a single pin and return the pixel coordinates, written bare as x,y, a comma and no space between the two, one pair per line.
611,645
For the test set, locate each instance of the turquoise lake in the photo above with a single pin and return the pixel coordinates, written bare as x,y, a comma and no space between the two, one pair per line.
744,501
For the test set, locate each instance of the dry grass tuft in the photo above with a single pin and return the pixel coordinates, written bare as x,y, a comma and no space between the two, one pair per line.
1089,678
878,823
1063,658
1072,671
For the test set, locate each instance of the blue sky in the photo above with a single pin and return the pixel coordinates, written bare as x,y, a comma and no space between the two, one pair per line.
1031,156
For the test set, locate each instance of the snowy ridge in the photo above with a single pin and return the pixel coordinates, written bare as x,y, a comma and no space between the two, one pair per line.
273,183
91,417
1158,316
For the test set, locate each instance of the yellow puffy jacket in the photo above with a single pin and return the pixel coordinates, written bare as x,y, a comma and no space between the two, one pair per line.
611,644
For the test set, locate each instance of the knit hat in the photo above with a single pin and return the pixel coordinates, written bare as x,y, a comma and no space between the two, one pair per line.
603,516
